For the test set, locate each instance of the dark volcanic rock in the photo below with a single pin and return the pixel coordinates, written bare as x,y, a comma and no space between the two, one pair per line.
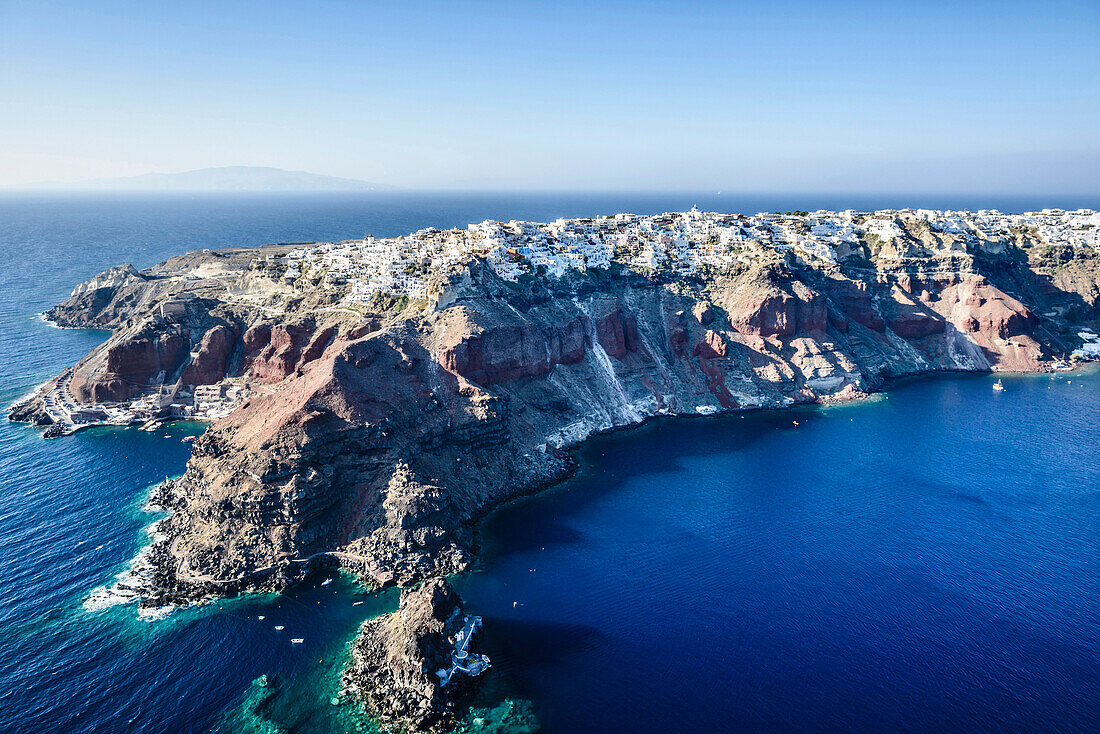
383,435
27,411
395,659
703,313
104,301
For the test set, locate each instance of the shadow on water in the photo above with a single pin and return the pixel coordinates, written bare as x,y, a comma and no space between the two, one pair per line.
300,687
520,642
67,520
912,562
661,445
972,498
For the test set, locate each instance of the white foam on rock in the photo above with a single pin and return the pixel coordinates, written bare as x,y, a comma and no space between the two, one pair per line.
153,614
129,584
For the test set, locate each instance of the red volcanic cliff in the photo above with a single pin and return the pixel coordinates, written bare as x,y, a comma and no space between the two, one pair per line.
128,366
616,331
978,307
770,303
491,353
210,363
273,352
382,444
852,301
909,318
384,434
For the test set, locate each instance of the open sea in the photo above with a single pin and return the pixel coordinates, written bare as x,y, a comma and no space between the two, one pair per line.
928,560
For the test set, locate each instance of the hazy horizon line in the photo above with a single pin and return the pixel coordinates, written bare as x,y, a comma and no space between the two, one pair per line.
392,189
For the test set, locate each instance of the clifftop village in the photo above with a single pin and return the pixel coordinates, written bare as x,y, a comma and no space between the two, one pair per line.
676,243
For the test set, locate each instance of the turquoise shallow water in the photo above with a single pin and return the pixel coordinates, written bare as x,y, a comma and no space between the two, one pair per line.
922,562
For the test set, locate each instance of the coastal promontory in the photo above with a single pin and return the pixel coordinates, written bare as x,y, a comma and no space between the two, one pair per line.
370,400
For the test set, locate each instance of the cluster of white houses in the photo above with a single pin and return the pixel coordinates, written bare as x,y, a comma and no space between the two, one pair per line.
676,242
165,401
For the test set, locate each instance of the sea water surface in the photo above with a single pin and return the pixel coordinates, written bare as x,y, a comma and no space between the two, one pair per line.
924,561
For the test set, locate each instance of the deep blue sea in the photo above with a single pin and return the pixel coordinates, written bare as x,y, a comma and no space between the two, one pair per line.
925,561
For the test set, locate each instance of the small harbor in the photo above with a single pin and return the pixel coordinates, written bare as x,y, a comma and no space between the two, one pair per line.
156,405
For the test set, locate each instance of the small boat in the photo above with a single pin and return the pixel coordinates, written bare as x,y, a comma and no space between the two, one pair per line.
297,640
998,386
279,628
188,439
326,582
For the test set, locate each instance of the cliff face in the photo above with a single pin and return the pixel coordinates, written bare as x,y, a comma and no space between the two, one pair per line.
194,319
386,435
389,443
383,434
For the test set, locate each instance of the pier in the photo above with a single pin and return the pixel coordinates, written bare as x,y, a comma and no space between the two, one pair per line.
470,663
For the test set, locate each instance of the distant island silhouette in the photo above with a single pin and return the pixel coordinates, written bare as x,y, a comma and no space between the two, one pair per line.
226,178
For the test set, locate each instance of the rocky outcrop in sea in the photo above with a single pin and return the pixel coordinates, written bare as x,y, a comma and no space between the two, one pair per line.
398,659
385,430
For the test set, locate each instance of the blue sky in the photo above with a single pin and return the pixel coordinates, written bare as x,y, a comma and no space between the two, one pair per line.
772,96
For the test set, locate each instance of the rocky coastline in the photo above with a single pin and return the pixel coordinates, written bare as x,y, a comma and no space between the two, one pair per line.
398,659
373,436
